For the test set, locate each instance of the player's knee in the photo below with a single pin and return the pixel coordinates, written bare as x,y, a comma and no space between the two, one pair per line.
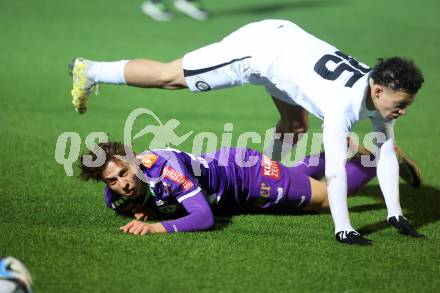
171,76
299,127
295,128
324,204
172,81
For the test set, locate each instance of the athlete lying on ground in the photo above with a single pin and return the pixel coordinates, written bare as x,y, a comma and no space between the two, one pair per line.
231,180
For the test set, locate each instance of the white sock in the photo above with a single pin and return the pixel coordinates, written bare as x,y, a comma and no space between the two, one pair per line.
107,72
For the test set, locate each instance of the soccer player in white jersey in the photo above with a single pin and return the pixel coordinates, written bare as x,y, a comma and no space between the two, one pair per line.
303,75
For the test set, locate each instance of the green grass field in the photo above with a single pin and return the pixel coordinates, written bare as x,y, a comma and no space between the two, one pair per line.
60,227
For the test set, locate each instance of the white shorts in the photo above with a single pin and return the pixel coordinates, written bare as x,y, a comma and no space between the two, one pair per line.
239,58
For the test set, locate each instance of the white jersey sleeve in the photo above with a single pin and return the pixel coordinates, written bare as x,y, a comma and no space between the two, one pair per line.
387,164
335,129
383,127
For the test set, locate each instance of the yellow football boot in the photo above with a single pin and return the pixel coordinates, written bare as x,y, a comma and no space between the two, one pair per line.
83,87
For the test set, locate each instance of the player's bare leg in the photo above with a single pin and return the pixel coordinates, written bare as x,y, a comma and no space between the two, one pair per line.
313,166
88,74
409,170
153,74
294,120
319,199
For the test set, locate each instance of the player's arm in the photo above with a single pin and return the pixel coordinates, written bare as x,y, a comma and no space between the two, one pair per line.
335,144
335,153
387,164
388,175
200,217
179,184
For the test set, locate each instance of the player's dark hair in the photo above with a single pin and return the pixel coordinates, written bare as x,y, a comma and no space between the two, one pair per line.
398,74
111,150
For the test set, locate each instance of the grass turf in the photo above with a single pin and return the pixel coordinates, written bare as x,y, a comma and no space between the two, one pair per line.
59,227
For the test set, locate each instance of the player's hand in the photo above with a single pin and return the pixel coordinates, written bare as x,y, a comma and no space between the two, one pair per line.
404,227
352,237
136,227
140,228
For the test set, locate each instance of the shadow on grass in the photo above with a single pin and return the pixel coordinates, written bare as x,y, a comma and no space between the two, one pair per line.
222,221
273,7
420,205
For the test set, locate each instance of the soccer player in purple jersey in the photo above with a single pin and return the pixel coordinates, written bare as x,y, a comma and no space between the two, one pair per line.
233,180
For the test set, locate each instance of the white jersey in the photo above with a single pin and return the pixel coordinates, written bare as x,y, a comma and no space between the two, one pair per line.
299,69
293,65
313,74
